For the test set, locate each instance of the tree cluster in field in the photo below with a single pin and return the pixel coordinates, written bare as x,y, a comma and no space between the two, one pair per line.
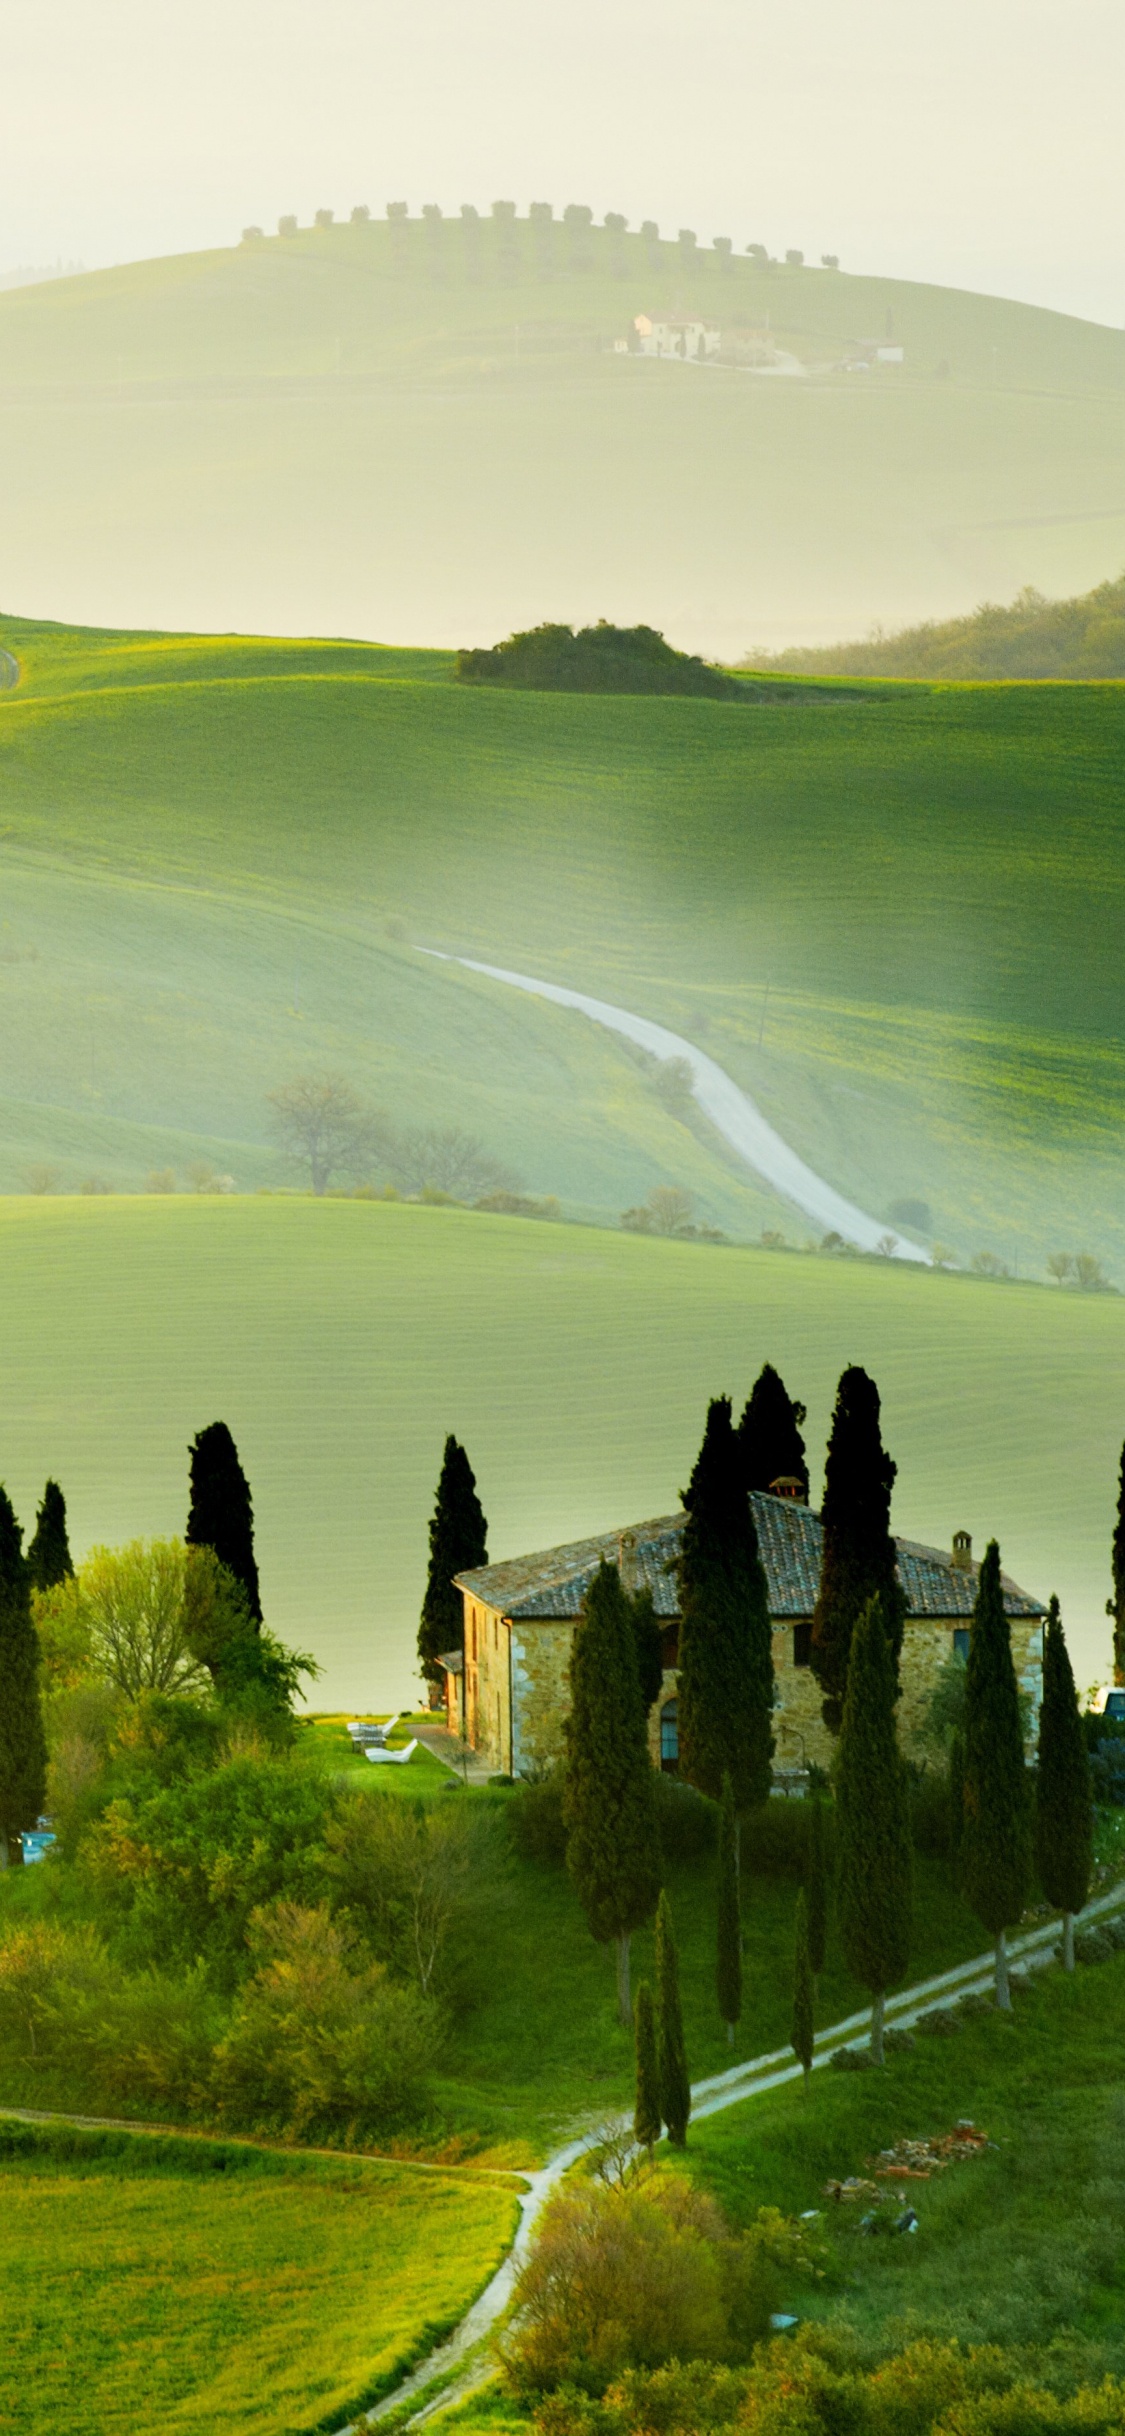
325,1129
667,1210
1073,639
601,659
497,245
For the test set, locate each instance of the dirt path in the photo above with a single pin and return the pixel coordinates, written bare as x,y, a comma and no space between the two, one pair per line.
731,1110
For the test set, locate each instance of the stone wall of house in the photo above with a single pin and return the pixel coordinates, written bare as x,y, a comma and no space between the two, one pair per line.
537,1683
487,1717
540,1658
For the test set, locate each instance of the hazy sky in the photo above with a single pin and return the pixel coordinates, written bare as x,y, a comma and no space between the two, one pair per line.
976,142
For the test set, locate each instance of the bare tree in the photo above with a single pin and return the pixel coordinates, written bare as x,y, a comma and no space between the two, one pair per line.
1060,1266
449,1162
666,1212
323,1125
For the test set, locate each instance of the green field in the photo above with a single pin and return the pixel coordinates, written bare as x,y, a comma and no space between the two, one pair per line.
342,1339
182,2285
893,914
358,431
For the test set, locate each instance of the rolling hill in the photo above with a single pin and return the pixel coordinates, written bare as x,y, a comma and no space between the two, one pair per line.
1030,637
410,431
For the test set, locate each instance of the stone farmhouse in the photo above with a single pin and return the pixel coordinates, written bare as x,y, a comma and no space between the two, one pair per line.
677,335
506,1692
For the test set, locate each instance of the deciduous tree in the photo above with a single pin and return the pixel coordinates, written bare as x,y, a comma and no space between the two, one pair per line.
726,1687
48,1557
872,1823
612,1850
675,2085
1064,1800
322,1125
728,1925
858,1562
996,1828
220,1511
458,1543
23,1748
769,1434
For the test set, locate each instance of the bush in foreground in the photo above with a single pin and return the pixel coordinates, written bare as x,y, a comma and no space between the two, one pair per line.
320,2036
625,2276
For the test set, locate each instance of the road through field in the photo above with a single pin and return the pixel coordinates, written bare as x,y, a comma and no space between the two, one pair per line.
732,1112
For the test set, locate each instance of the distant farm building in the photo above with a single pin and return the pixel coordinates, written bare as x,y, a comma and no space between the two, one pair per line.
690,340
508,1692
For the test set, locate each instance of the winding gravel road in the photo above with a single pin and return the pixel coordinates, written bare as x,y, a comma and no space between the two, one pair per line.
731,1111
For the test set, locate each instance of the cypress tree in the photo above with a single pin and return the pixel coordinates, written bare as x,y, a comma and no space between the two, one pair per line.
671,2061
23,1748
646,2113
996,1826
612,1850
458,1543
650,1654
220,1514
956,1802
728,1941
816,1890
1116,1605
872,1823
858,1561
769,1434
48,1557
726,1688
804,1993
1064,1800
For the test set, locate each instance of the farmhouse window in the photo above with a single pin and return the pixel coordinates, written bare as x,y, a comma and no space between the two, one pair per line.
670,1738
961,1644
802,1645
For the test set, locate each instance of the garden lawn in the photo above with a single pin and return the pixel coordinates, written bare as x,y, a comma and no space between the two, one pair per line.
153,2286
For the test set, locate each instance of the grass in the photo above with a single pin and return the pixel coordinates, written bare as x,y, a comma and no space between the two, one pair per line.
189,2285
325,432
1020,2246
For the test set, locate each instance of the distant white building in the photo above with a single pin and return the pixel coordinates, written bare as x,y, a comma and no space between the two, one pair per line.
691,341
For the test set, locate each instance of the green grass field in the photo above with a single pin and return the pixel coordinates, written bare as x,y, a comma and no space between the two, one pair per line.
347,431
182,2285
342,1339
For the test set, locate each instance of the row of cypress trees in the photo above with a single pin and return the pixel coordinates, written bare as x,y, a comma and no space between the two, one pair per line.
220,1517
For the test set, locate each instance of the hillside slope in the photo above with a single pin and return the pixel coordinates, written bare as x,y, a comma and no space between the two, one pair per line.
1030,637
893,914
399,431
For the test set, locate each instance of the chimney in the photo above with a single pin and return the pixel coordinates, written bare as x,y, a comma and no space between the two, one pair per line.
627,1560
789,1485
962,1558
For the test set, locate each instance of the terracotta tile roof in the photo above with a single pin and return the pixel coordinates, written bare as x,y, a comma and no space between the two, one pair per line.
554,1583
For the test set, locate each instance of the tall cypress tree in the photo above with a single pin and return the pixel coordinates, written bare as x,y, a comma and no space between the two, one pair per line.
1116,1605
996,1825
650,1649
612,1850
675,2087
816,1890
858,1561
48,1557
726,1687
646,2112
956,1803
769,1434
220,1514
458,1543
1064,1799
23,1748
804,1994
728,1924
872,1823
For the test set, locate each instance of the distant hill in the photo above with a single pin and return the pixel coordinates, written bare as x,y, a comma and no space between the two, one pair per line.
439,431
1032,637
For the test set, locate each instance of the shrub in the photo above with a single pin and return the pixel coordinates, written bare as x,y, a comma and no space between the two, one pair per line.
535,1819
412,1875
634,2276
850,2059
320,2037
146,2038
688,1823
